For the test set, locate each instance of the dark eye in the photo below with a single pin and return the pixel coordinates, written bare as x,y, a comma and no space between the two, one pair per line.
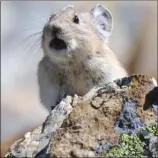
76,19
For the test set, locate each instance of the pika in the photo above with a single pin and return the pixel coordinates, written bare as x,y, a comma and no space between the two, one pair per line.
76,54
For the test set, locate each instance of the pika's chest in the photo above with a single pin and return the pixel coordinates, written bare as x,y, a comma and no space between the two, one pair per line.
78,80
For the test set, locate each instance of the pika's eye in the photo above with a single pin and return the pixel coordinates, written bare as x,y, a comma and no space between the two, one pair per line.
76,19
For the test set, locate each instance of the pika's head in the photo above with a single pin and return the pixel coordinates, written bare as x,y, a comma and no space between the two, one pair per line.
69,34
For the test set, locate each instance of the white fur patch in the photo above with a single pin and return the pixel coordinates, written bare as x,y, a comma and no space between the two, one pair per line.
73,44
154,81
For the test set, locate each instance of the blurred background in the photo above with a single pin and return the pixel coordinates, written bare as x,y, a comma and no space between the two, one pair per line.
134,41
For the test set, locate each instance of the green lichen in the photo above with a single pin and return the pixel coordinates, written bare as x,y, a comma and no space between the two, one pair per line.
115,152
153,128
131,146
134,83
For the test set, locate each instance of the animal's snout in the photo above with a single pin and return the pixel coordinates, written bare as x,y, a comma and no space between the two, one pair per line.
57,42
55,30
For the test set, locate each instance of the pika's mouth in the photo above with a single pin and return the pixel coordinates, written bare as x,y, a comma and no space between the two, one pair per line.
57,44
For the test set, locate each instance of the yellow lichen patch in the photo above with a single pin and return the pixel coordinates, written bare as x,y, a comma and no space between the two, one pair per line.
134,83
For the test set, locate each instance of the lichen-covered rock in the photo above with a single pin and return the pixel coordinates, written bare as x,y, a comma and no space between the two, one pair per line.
37,141
112,123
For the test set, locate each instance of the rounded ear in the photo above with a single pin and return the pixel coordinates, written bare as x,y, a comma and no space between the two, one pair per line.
103,20
69,9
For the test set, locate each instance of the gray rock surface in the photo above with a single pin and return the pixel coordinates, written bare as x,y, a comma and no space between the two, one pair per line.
110,123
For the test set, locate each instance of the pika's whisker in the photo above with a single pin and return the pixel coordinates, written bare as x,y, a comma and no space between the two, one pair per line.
32,35
31,50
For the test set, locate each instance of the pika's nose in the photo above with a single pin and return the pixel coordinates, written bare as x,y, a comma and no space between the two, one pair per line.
55,30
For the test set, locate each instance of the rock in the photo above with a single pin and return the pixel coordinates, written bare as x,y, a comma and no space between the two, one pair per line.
36,141
153,146
128,122
151,100
110,123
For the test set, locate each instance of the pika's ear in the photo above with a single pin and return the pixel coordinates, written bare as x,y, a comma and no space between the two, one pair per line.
103,20
69,9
